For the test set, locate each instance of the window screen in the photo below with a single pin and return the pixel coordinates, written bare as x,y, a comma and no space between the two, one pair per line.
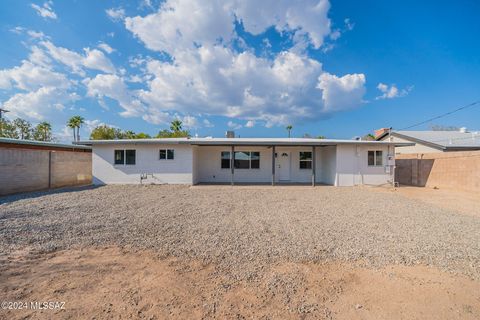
170,154
163,154
242,160
375,158
119,157
225,160
306,160
371,158
130,156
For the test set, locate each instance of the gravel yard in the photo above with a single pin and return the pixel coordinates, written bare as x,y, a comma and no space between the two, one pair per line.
243,229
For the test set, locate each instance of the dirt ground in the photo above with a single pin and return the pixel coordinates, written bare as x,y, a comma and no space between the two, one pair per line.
462,201
114,283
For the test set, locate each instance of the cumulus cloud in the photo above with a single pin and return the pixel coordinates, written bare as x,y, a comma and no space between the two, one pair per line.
189,122
113,86
92,59
45,11
391,91
105,47
116,14
233,125
207,76
250,124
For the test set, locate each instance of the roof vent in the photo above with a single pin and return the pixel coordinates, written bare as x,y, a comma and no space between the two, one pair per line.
463,130
230,134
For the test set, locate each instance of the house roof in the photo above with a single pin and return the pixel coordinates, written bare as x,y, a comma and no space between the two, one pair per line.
32,144
443,140
242,141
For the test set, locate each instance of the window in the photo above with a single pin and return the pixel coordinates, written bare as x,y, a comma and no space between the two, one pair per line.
119,157
225,160
255,160
242,160
306,160
375,158
167,154
130,156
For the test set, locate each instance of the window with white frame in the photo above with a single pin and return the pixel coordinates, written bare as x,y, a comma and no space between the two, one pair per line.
305,160
375,158
167,154
122,157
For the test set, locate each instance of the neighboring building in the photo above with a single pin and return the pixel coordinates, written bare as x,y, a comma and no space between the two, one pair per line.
432,141
243,160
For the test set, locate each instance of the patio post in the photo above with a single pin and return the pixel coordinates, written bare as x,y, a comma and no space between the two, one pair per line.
232,163
313,166
273,165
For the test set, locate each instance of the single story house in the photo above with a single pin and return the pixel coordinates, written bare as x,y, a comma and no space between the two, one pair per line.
243,160
432,141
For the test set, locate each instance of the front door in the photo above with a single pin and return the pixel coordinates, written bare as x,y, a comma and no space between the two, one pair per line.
283,166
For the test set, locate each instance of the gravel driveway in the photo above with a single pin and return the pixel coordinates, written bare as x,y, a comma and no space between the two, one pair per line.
244,228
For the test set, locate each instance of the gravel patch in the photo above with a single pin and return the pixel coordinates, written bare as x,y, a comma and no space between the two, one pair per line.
243,229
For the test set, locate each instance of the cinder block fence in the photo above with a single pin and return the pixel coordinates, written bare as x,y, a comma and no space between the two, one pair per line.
30,166
459,170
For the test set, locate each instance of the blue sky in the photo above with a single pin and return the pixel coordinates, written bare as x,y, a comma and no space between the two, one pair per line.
338,69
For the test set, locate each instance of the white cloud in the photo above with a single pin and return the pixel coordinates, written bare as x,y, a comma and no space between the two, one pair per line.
207,123
112,86
341,93
39,105
250,124
190,122
105,47
391,91
116,14
233,125
207,76
93,58
45,11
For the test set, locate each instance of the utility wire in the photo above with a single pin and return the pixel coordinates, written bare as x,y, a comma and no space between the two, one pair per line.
442,115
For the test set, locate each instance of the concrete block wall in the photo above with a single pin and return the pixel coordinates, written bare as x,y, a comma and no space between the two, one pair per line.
459,170
23,170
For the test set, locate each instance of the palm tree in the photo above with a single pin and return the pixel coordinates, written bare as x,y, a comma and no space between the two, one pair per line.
75,123
24,128
44,130
176,125
289,129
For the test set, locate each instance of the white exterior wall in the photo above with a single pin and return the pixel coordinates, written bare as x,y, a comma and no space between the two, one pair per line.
210,171
353,169
177,171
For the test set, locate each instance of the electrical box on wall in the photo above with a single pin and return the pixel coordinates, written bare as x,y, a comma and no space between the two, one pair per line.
390,160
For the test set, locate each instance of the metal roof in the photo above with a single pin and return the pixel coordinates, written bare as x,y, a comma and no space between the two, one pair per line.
43,144
242,141
445,140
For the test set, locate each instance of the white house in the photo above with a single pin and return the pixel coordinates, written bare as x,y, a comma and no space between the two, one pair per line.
243,160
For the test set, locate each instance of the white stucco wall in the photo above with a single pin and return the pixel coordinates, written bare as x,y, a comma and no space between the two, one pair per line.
210,171
177,171
353,169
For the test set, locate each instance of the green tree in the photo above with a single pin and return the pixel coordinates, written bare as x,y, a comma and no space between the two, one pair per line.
7,129
289,129
75,123
43,131
105,132
175,131
129,134
142,135
369,137
24,128
321,137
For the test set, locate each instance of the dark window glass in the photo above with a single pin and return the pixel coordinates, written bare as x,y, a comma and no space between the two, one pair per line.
306,155
119,157
371,158
306,164
130,156
378,158
163,154
255,160
170,154
242,160
306,160
225,160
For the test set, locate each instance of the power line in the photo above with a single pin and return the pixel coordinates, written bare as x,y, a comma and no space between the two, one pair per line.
442,115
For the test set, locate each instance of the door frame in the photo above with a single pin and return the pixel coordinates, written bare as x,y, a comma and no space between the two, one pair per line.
279,168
